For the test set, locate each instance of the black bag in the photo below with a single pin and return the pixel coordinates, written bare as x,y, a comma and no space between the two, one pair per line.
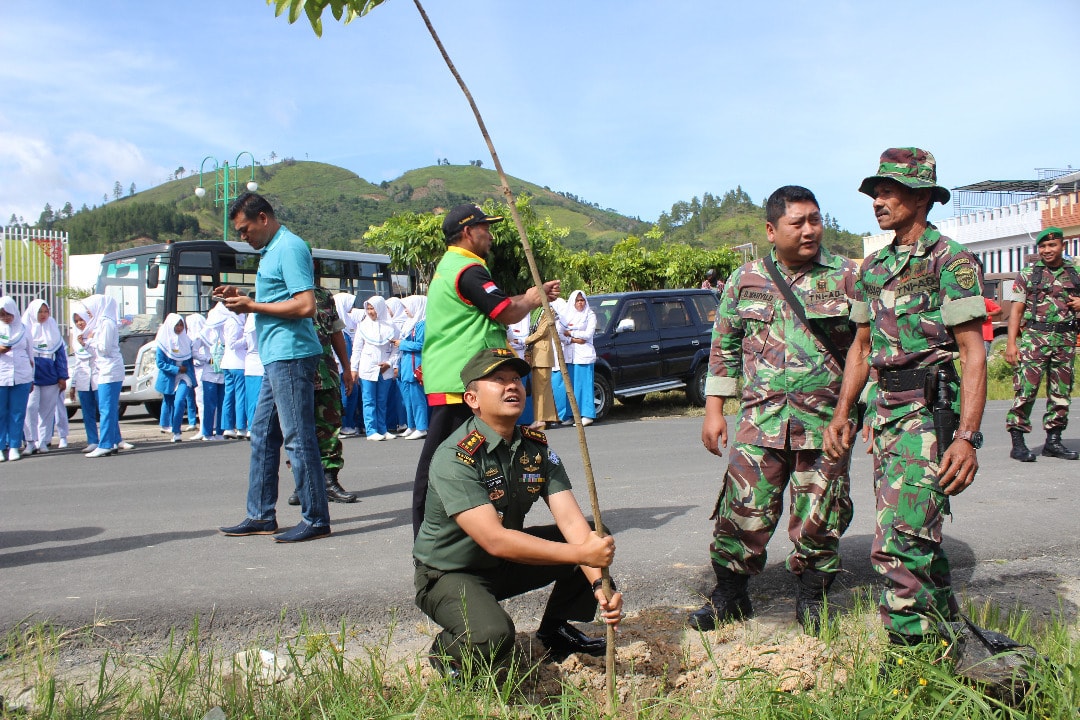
989,658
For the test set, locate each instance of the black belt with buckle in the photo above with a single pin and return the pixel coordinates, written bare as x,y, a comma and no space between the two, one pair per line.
1059,327
913,379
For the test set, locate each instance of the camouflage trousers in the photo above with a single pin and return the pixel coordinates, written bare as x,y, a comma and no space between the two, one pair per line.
1038,358
751,502
328,427
911,510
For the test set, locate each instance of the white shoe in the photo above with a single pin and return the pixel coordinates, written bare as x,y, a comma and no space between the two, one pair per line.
177,437
586,421
3,455
348,432
376,437
13,454
229,434
390,436
189,427
416,435
101,452
89,449
164,430
63,444
125,445
42,448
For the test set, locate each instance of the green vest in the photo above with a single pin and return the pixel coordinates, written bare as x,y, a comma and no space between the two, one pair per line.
454,331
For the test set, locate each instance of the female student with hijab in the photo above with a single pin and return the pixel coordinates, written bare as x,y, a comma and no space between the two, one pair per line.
206,350
80,382
234,417
350,402
253,367
102,338
577,326
395,409
16,378
176,370
373,356
411,386
50,375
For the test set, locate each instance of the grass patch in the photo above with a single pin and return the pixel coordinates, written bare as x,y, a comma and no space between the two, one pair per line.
730,673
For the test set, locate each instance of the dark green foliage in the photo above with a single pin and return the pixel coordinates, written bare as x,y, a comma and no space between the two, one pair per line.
118,225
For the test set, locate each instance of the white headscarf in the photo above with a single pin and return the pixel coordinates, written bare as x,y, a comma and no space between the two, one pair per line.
573,318
78,310
45,337
379,331
98,308
416,306
344,303
195,323
397,312
177,346
12,332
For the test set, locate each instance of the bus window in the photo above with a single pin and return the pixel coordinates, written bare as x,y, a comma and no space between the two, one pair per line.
193,293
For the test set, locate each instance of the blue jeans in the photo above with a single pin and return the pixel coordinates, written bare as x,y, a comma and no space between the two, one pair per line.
108,397
213,395
375,394
88,404
12,414
234,415
286,416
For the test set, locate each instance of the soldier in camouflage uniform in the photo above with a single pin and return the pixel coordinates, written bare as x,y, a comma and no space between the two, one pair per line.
918,308
791,385
329,327
1046,303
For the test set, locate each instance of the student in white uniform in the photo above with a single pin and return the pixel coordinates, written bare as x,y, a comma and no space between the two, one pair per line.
253,367
234,417
102,338
50,374
350,402
207,348
410,370
81,384
16,378
374,354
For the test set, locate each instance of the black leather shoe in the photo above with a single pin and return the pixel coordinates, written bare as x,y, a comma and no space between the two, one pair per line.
564,639
294,499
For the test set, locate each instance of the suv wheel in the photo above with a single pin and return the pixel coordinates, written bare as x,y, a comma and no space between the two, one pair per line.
695,390
603,396
153,408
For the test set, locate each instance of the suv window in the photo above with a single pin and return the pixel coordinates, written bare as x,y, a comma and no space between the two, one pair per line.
637,311
706,307
672,313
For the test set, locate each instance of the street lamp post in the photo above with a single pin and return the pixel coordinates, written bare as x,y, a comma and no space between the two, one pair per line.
226,186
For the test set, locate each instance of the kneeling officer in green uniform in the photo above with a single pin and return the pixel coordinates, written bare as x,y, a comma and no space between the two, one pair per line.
473,549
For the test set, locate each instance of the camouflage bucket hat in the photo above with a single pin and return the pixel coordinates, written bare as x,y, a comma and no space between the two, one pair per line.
911,167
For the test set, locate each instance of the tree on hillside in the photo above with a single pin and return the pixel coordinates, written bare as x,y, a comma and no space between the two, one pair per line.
46,218
131,190
179,172
66,211
117,190
14,220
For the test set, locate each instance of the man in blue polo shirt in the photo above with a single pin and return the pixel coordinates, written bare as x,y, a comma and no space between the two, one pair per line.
284,305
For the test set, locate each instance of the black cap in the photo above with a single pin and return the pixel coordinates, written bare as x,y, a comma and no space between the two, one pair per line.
462,216
488,361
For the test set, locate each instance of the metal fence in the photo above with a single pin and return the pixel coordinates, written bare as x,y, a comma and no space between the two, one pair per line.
33,264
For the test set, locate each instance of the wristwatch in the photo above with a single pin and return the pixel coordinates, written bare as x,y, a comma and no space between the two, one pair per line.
975,438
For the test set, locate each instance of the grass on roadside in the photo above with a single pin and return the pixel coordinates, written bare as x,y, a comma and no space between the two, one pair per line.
316,673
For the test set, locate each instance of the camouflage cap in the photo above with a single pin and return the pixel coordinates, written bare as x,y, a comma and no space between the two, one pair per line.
488,361
911,167
1050,233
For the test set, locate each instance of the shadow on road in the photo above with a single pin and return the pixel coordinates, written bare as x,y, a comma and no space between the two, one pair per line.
17,538
620,519
94,549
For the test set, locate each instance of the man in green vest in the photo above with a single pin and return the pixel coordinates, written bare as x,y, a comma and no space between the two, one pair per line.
466,313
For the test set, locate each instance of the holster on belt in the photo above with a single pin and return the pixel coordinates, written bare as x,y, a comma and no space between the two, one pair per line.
939,397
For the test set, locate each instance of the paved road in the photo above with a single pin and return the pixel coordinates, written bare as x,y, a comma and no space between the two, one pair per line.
134,537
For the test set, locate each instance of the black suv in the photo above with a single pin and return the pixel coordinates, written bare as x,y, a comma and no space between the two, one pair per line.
651,340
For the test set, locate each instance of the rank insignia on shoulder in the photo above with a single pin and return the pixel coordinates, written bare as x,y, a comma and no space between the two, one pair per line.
472,442
470,461
532,434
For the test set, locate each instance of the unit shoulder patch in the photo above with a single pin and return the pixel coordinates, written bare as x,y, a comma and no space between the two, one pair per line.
472,442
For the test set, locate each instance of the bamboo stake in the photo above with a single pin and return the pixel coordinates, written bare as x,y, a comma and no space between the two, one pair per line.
535,271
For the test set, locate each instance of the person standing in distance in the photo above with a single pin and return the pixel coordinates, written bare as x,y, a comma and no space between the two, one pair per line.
466,312
284,306
791,382
918,307
1043,321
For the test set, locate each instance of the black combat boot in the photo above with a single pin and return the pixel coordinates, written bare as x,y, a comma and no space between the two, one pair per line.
729,601
1054,448
1020,449
810,599
334,491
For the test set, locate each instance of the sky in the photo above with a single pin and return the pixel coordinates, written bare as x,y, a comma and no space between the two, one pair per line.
628,104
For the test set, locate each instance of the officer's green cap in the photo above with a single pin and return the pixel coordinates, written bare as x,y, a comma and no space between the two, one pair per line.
1050,233
908,166
488,361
